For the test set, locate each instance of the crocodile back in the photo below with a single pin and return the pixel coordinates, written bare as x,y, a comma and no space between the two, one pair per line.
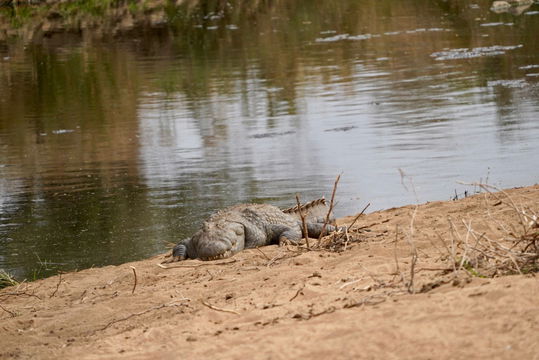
314,211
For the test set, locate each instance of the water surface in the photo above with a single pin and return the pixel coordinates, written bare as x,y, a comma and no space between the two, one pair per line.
111,149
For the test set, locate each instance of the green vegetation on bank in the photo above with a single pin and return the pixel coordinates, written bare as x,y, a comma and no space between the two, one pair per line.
19,13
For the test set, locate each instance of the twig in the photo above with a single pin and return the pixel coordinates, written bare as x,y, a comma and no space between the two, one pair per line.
138,314
448,251
57,285
263,254
13,314
463,257
326,221
512,204
196,265
453,251
358,215
275,258
433,269
311,315
303,224
81,298
349,283
410,240
297,293
135,275
218,308
369,300
19,294
347,238
397,268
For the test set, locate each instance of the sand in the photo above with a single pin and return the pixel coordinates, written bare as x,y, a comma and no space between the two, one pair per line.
281,303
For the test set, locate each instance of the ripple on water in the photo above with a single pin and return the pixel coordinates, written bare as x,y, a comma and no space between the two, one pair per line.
341,37
496,24
517,83
465,53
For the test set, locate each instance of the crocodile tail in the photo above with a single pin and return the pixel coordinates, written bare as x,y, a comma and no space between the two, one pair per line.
314,211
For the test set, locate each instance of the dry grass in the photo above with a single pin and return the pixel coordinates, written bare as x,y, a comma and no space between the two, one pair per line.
515,251
506,247
6,279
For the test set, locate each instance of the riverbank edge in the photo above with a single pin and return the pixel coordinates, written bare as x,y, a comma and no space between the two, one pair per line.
353,302
90,20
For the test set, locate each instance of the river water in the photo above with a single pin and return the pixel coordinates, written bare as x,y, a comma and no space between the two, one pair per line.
110,150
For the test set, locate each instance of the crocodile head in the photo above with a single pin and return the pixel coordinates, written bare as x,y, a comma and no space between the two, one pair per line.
216,240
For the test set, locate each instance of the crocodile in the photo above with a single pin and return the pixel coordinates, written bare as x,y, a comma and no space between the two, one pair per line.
244,226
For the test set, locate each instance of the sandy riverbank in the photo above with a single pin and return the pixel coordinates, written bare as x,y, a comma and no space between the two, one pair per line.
280,303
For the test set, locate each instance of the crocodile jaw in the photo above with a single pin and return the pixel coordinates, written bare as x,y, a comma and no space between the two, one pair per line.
224,255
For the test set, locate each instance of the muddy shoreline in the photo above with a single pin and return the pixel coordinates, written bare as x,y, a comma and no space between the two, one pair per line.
376,297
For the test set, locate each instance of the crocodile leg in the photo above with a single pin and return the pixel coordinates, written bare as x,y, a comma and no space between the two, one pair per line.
315,229
179,252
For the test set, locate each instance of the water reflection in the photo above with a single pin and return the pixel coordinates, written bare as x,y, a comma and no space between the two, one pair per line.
109,150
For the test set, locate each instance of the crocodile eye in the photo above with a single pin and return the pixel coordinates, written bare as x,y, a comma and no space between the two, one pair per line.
238,231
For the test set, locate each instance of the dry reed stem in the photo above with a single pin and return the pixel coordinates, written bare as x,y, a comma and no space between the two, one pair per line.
511,252
303,224
397,268
326,221
410,240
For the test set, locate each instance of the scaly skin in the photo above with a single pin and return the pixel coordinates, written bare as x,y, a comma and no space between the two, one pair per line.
244,226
